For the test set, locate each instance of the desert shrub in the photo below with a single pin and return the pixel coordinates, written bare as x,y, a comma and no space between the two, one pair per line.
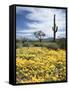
37,44
61,43
53,46
18,45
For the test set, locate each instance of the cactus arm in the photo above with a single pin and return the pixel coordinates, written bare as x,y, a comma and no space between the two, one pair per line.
56,29
53,28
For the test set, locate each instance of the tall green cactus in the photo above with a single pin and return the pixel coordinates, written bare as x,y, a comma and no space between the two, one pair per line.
55,28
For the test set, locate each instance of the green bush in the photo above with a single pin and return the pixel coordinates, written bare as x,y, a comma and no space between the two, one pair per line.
61,43
52,46
18,45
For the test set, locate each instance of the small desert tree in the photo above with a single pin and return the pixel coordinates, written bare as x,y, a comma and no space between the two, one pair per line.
40,35
24,40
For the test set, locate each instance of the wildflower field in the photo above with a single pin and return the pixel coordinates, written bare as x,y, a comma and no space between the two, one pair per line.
40,64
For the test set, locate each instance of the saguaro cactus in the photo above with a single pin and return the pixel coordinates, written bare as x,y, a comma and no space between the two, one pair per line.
55,28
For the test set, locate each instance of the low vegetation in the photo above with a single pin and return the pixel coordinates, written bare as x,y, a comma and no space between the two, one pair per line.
40,64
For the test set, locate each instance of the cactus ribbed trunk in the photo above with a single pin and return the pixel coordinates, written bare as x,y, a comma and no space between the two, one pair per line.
55,28
54,36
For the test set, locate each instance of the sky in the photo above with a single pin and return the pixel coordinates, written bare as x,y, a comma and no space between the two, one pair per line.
31,19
